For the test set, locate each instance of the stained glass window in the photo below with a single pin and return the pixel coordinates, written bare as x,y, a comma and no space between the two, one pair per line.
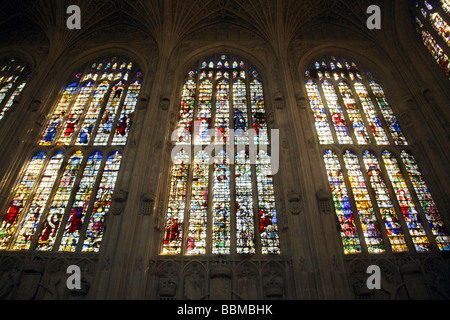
433,25
64,196
13,79
221,201
377,209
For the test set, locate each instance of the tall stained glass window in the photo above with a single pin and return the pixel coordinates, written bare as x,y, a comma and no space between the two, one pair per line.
221,200
13,79
381,199
64,195
433,25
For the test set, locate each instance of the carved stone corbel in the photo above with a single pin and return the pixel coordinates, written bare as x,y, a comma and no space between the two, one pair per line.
323,201
120,198
148,201
164,103
35,105
295,205
142,103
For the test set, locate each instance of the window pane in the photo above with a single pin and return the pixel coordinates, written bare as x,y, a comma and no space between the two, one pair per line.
244,204
126,116
56,120
371,114
268,221
222,113
221,205
196,237
59,203
388,114
39,202
177,203
108,117
363,204
91,115
80,205
354,113
426,200
94,234
22,194
407,205
72,121
387,209
337,116
320,115
349,234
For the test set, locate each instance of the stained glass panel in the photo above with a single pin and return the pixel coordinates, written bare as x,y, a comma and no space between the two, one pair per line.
203,125
90,116
196,236
221,205
385,205
363,203
59,204
80,205
126,115
94,234
369,109
337,116
240,111
173,234
354,113
320,115
441,27
222,114
388,114
108,117
10,102
406,203
57,118
186,116
38,203
268,221
22,194
245,232
259,120
13,77
426,200
342,206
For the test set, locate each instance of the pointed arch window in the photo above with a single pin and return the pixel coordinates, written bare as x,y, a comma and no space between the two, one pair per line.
380,196
432,20
220,201
13,79
65,193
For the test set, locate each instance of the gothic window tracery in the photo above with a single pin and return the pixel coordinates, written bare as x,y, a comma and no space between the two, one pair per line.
380,196
221,202
65,193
